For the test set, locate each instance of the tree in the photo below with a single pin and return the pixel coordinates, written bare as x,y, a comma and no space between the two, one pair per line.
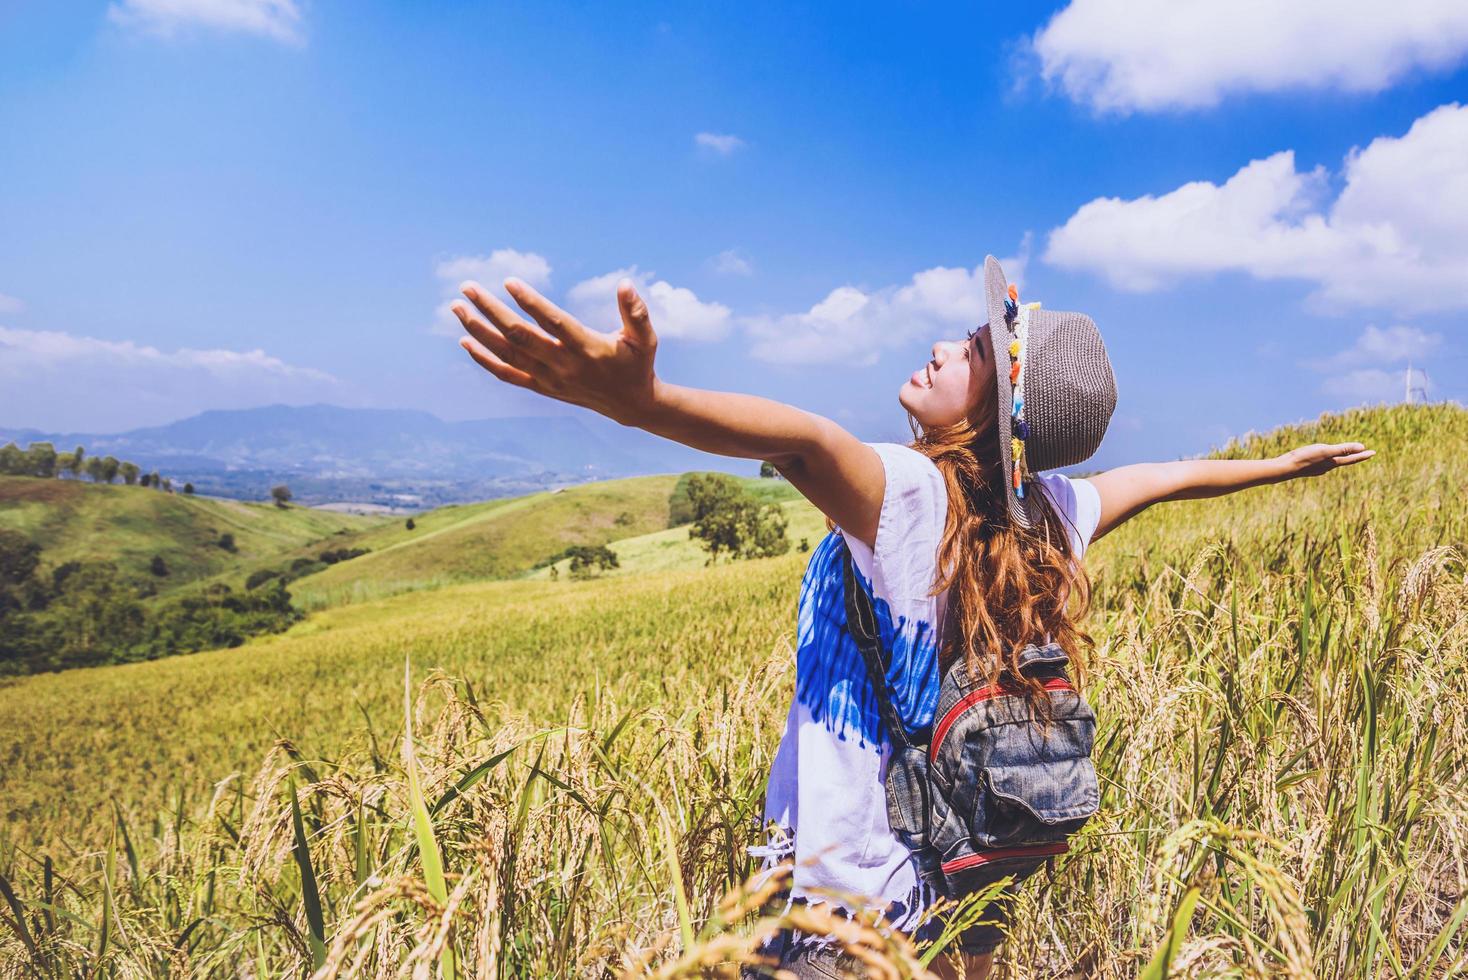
168,484
12,460
110,466
727,518
409,524
158,566
21,594
767,471
94,469
586,560
78,460
281,494
189,489
41,459
145,479
19,558
226,540
64,463
130,473
156,481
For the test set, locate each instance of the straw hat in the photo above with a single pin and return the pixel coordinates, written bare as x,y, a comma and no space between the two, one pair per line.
1056,391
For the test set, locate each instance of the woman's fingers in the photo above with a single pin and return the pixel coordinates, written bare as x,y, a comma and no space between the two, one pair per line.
1347,459
495,365
556,321
490,338
515,331
636,324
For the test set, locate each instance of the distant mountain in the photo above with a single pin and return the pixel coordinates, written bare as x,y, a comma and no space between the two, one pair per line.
388,457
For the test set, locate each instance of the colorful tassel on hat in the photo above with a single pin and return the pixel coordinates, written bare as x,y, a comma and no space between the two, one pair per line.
1018,348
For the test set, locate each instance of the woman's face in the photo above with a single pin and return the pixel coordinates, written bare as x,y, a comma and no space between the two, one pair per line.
957,383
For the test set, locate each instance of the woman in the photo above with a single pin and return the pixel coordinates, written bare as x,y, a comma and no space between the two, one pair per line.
963,547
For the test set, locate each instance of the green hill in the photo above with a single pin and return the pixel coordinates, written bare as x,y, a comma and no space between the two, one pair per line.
503,538
672,549
76,521
1280,679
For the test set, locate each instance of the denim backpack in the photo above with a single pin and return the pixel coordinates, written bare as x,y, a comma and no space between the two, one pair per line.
992,793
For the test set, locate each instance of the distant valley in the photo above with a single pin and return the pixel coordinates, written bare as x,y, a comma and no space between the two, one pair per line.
385,458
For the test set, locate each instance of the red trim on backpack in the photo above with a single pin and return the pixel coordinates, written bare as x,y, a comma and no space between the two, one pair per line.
984,857
985,694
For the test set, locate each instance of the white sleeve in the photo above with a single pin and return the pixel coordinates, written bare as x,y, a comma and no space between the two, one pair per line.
1078,504
904,562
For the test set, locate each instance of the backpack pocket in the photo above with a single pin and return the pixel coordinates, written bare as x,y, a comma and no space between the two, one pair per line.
1038,785
907,796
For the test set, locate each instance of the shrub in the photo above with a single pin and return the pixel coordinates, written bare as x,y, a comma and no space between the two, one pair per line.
259,577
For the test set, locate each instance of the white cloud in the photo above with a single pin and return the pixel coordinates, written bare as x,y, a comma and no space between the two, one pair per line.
489,271
74,380
1371,385
1374,368
1123,55
854,326
730,263
1396,236
721,143
9,304
492,269
276,19
675,311
1393,345
851,325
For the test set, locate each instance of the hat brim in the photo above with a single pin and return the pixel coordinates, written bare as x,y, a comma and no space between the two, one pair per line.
996,290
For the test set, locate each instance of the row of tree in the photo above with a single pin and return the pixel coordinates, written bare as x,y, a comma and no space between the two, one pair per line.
42,460
80,614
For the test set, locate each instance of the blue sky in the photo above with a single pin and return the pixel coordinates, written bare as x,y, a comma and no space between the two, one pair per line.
222,203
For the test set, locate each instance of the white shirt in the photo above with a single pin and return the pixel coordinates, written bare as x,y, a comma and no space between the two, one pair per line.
825,797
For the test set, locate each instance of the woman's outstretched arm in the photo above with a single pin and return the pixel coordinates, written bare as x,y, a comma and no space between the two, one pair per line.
612,374
1128,490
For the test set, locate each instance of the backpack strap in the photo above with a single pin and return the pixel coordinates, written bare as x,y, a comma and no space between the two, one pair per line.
861,623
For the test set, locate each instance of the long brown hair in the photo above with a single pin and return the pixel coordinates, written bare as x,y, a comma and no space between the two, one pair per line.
1008,586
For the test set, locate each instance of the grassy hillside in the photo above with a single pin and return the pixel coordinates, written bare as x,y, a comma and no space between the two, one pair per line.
72,520
672,548
1281,680
499,539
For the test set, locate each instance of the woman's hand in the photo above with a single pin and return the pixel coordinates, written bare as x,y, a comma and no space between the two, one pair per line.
1313,460
610,373
1128,490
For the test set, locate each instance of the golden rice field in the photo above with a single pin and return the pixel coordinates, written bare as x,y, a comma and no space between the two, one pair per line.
1281,680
